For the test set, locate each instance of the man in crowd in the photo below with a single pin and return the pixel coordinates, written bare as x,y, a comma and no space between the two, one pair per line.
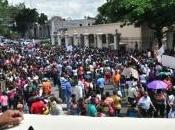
101,84
145,105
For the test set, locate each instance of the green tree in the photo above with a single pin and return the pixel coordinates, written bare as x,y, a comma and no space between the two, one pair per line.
4,17
25,20
156,14
42,19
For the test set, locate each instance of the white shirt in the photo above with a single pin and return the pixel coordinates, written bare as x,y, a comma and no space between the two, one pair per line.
132,92
143,78
91,67
145,102
79,92
75,73
171,99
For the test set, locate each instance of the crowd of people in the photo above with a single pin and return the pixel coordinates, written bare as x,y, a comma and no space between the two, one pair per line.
90,81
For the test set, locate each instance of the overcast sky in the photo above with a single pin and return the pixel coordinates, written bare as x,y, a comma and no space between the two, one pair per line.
75,9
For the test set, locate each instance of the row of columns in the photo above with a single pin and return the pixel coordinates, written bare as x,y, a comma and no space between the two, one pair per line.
77,40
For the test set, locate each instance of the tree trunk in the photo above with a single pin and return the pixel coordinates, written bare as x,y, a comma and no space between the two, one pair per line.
159,35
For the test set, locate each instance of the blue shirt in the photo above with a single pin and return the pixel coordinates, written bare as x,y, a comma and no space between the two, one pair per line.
101,82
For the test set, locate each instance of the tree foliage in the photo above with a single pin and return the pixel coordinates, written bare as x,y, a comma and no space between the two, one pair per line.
4,17
25,19
18,18
42,19
156,14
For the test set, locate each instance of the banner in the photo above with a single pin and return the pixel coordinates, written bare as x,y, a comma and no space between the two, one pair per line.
168,61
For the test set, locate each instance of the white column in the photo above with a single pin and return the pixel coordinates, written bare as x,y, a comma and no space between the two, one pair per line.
52,39
86,40
75,40
107,41
99,41
67,40
115,42
52,33
59,39
95,40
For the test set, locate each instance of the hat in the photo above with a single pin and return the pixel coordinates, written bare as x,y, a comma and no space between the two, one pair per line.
35,77
45,79
30,79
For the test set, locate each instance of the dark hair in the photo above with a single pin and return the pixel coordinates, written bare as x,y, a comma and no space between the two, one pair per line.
114,92
73,96
93,100
107,94
4,93
97,91
103,97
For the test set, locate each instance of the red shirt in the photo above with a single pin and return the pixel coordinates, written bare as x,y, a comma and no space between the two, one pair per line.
37,107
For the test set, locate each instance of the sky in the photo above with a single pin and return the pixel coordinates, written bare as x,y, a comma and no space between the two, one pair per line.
75,9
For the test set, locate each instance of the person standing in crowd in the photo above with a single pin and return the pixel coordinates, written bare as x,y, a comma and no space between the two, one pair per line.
116,79
160,104
91,108
4,101
78,90
101,84
132,94
66,90
123,86
74,106
171,105
145,105
117,103
81,107
47,87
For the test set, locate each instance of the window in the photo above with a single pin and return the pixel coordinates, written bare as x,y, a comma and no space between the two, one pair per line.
111,38
103,38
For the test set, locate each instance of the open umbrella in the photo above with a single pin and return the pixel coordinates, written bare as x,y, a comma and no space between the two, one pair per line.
130,72
157,84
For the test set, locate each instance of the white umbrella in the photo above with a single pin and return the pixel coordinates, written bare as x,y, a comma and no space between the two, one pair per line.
128,72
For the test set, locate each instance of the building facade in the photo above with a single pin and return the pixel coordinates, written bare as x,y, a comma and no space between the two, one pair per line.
83,32
105,36
59,27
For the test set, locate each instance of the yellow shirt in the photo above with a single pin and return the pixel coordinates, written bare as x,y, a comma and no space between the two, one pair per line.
117,102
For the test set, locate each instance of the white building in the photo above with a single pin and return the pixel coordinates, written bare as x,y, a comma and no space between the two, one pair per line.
84,33
59,26
104,35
